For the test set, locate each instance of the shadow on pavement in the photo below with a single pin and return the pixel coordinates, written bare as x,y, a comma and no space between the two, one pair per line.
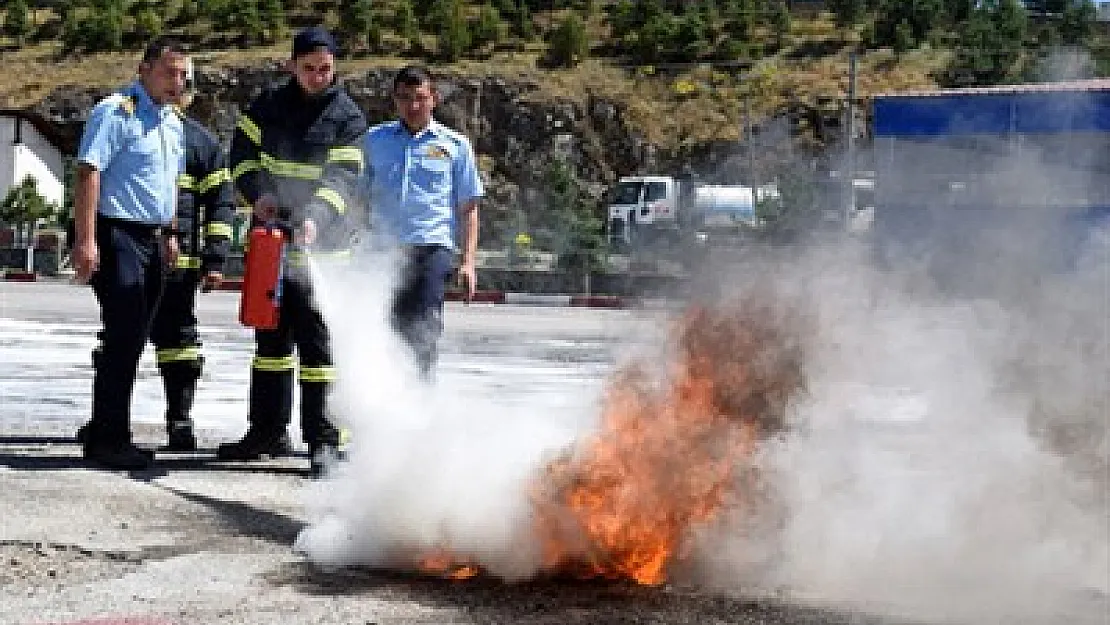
59,453
245,519
559,601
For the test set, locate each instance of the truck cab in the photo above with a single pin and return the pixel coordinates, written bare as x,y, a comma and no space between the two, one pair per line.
642,203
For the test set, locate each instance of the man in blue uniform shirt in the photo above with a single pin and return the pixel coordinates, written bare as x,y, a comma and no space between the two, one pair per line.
130,155
424,188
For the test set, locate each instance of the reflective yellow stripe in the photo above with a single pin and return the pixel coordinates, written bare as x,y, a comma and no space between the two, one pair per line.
290,169
281,363
245,167
317,374
214,179
218,229
182,354
345,155
332,197
187,182
300,259
188,262
250,129
278,167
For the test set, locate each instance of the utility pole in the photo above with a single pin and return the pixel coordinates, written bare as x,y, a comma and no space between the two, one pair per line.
848,171
749,138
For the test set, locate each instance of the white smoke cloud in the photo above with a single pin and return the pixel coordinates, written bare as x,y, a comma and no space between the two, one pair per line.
430,466
947,460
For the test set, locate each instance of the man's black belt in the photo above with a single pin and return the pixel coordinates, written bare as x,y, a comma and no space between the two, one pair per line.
135,227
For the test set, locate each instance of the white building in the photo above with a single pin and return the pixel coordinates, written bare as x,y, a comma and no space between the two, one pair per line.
29,147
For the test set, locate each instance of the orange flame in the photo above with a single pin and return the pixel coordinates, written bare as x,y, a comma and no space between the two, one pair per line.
443,564
670,456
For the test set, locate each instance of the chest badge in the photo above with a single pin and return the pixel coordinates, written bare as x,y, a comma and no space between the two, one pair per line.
436,151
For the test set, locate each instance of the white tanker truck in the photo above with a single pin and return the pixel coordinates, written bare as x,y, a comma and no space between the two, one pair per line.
653,210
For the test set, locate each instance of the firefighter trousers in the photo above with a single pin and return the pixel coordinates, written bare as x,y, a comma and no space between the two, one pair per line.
177,346
301,326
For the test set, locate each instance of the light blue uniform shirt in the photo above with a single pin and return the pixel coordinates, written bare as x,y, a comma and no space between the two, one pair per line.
416,182
139,149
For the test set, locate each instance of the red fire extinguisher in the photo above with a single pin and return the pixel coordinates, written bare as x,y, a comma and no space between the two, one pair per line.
261,294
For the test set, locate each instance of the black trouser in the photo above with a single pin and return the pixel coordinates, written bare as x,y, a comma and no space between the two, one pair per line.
418,304
301,325
128,285
177,344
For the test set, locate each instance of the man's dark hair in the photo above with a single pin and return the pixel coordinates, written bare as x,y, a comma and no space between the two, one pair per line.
161,45
413,76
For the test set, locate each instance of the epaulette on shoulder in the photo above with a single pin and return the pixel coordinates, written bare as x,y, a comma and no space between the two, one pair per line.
125,102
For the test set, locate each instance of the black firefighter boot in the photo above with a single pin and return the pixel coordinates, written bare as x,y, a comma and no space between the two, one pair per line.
325,441
271,408
180,382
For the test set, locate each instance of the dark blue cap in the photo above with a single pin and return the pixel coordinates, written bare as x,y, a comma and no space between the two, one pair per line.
311,38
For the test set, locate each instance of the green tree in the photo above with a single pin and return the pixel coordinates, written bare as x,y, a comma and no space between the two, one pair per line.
523,26
454,35
95,26
780,21
189,11
245,18
741,18
426,10
904,39
1077,21
920,16
17,21
24,207
958,11
568,44
506,8
405,23
272,14
691,38
356,18
991,43
148,23
578,236
487,27
847,12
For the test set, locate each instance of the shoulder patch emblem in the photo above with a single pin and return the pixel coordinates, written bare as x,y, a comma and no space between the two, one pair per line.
127,104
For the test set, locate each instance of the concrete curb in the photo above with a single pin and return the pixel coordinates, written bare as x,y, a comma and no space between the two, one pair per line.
517,299
20,276
614,302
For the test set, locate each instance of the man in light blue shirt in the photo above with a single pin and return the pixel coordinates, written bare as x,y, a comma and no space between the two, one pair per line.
130,155
423,187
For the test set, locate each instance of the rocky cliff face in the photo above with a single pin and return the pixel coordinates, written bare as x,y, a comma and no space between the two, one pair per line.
515,135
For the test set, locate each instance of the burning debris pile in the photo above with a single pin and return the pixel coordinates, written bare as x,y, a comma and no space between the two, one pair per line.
675,450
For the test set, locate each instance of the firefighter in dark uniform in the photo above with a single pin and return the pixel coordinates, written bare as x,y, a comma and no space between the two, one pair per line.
205,210
295,158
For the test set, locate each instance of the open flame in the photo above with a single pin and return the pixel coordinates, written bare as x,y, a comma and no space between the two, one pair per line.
442,563
673,452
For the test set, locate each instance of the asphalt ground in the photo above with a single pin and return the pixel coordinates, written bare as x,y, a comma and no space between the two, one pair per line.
194,541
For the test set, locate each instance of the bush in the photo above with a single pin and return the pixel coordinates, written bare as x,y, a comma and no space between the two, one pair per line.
568,44
17,21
